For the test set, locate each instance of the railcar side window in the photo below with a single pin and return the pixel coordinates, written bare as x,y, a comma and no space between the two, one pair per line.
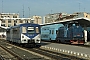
24,30
52,31
16,30
56,31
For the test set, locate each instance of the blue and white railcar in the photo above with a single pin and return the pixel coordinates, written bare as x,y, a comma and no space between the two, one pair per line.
49,32
26,33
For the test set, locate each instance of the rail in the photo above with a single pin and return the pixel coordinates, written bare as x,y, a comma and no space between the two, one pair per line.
12,53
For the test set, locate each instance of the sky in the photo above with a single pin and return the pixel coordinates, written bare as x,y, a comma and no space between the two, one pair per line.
43,7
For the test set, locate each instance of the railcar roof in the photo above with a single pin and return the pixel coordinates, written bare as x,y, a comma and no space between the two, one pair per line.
24,24
52,26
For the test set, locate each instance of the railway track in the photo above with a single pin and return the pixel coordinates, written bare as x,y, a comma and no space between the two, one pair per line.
18,52
1,58
51,55
9,55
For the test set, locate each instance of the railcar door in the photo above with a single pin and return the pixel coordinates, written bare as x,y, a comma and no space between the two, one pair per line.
11,34
88,34
52,35
45,33
8,34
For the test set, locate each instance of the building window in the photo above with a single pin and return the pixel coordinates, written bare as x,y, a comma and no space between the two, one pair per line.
9,21
26,21
9,25
1,16
31,21
15,21
21,21
2,24
8,16
14,16
3,21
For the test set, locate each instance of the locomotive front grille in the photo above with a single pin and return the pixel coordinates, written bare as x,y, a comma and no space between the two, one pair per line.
31,41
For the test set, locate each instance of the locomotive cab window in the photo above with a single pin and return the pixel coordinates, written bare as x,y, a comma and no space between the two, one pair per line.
37,30
24,30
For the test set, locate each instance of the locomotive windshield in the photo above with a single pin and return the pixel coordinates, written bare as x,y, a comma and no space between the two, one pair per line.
33,30
30,30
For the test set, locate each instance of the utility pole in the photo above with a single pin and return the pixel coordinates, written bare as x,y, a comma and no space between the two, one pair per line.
79,7
2,6
51,11
23,11
29,11
84,9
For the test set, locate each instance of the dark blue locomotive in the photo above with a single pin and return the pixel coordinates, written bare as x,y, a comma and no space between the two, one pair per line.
73,34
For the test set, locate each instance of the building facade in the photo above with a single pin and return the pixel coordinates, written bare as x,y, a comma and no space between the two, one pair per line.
7,22
82,14
37,19
11,19
49,18
9,15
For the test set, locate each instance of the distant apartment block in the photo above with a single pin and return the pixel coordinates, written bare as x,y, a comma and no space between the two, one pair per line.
81,14
64,16
12,19
37,19
53,17
9,15
7,22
